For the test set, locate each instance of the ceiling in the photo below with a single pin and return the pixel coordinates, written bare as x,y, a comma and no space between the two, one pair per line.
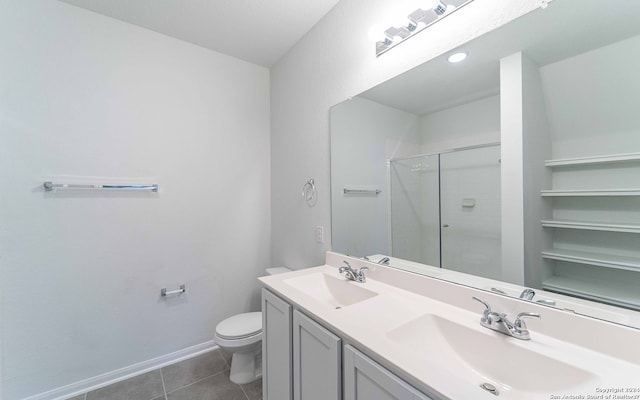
257,31
545,36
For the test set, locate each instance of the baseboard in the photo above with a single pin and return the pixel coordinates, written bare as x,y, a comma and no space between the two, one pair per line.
96,382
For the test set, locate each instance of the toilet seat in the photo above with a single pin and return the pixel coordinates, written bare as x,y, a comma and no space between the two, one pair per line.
240,330
238,343
240,326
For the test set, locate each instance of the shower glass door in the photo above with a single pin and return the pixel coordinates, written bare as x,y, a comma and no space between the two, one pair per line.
470,211
415,218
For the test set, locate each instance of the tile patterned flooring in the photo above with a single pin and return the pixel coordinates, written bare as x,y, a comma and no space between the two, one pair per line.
205,377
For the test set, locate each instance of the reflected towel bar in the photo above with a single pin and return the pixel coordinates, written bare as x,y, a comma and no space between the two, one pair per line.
362,191
49,186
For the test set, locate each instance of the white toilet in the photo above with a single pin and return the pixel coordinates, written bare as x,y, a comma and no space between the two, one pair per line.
241,335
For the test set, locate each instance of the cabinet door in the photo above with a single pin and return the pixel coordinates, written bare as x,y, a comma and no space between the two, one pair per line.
317,369
276,348
365,379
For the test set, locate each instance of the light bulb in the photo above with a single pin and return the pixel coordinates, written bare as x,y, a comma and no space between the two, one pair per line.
457,57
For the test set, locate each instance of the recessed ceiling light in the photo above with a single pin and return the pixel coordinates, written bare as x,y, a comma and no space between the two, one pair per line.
457,57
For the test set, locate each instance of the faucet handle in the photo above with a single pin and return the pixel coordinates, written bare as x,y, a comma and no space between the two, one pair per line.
519,323
527,294
488,310
361,277
487,315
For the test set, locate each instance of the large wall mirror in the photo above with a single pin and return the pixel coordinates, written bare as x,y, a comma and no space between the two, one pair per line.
515,169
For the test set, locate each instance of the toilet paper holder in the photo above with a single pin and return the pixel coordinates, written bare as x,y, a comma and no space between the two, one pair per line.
164,293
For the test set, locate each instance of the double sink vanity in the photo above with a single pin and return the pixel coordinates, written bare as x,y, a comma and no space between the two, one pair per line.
398,335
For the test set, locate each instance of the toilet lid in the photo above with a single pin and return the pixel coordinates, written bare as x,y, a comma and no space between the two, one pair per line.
240,326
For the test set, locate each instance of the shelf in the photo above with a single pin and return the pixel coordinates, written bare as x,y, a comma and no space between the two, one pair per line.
613,158
592,226
628,297
598,259
598,284
590,192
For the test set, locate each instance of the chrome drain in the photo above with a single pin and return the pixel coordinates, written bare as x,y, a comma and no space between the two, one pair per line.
490,388
338,307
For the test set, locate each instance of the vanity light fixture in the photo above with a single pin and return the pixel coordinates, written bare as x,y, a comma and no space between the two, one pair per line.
440,8
416,22
457,57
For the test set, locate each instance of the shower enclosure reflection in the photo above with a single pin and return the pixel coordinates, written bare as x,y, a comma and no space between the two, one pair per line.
415,208
438,172
445,210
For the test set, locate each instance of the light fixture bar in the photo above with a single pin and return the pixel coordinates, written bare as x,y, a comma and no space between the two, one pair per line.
416,22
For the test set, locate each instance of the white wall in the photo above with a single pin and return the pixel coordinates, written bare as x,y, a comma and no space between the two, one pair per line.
334,61
469,124
537,177
364,136
512,167
86,95
583,124
525,146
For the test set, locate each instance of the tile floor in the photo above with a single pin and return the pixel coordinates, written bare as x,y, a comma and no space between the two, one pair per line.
205,377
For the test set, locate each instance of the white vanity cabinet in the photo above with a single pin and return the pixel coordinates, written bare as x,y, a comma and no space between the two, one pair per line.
277,341
365,379
303,360
317,361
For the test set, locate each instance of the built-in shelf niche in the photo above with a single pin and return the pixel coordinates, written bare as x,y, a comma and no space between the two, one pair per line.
609,275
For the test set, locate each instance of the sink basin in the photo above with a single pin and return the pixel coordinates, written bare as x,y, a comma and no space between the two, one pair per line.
333,292
490,357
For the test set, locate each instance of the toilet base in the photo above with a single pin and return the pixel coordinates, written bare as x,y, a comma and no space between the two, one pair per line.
246,367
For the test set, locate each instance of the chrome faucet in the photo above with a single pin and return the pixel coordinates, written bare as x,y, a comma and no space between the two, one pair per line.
353,274
527,294
499,322
382,261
